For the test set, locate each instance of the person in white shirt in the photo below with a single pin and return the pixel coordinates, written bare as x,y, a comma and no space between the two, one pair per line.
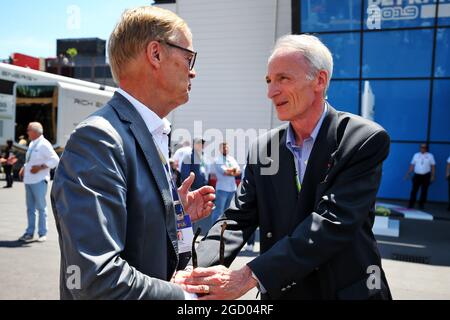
423,166
40,158
226,168
181,153
447,174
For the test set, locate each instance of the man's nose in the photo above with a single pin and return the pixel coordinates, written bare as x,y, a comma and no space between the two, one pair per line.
272,91
192,73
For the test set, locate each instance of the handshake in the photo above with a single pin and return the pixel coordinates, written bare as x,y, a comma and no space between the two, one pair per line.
216,283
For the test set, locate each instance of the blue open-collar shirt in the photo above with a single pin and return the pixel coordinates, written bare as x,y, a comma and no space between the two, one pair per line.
302,153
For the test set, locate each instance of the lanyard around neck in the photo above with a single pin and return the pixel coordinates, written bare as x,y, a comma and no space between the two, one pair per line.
164,163
179,209
297,175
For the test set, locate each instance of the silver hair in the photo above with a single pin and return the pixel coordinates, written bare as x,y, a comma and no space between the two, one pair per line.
37,127
316,54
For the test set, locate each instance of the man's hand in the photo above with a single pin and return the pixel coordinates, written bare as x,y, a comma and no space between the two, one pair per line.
198,203
36,169
180,276
229,172
220,282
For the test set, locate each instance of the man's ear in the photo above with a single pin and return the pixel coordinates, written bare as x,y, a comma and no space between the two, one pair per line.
153,53
321,80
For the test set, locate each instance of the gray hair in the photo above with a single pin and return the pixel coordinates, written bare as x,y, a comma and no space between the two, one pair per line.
37,127
316,54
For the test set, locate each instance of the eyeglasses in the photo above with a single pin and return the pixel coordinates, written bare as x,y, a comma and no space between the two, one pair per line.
191,60
221,247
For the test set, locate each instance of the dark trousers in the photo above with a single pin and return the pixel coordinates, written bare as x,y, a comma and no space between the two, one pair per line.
251,240
8,173
419,181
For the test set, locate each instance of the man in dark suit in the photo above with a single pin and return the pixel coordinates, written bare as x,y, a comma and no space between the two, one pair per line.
116,209
310,186
195,162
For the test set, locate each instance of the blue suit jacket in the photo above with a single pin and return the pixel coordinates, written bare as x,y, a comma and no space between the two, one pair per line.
114,211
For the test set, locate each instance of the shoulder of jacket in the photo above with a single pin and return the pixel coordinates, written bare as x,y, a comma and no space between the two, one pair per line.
359,122
101,126
274,133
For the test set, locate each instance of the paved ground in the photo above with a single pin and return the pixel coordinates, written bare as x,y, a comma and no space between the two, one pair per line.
31,271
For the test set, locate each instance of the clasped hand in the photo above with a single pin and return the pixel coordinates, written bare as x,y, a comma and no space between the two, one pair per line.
216,283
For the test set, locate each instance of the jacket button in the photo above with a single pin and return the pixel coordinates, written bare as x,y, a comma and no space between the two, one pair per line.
269,235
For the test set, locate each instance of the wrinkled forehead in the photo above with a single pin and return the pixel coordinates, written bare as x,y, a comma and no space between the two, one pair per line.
286,59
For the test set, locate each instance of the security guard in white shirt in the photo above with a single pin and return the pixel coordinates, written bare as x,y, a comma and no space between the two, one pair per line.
424,166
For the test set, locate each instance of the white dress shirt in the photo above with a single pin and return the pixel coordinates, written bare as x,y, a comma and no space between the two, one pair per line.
422,162
40,151
159,128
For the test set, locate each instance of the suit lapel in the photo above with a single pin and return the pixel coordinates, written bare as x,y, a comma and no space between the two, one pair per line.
128,113
284,182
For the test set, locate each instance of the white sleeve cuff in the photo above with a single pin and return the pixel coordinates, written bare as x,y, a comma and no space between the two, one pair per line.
260,286
190,296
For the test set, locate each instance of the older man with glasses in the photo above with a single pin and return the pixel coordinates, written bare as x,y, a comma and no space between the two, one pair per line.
120,217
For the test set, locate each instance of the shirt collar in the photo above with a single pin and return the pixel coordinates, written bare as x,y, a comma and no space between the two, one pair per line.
37,139
290,138
154,123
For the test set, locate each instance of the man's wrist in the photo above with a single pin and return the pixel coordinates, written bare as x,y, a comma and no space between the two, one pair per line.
258,285
252,281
